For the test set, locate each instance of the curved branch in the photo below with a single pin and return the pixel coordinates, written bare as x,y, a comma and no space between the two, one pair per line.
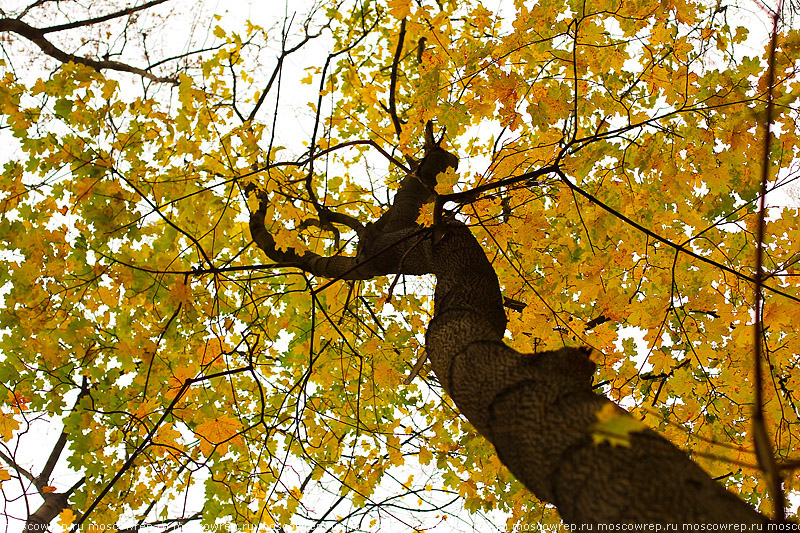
37,37
378,254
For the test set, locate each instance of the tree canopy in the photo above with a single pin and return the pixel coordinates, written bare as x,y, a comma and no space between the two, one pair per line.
217,262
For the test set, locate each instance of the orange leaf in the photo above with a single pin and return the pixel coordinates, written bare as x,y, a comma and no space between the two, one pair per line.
219,429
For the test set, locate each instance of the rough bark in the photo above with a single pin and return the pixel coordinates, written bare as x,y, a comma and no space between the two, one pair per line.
538,410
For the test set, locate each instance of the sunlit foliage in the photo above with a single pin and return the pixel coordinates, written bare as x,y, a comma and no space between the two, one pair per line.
139,316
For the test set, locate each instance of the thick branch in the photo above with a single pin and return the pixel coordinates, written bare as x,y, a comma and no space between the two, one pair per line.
761,440
37,37
539,410
53,504
378,254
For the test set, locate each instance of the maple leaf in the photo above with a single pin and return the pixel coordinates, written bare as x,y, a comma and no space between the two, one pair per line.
217,431
181,292
66,518
211,353
8,425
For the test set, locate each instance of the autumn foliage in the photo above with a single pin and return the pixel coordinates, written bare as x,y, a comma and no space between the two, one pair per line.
177,374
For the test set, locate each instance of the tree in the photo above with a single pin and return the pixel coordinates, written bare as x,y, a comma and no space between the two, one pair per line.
201,295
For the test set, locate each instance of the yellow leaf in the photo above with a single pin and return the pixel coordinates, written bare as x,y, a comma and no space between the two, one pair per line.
169,436
425,217
385,375
467,488
109,87
7,426
145,408
446,180
214,437
400,8
179,376
614,426
307,79
4,475
65,518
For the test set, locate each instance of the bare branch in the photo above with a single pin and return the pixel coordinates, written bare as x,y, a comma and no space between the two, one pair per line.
36,36
285,52
96,20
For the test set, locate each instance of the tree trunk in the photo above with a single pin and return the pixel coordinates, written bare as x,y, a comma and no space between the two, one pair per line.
538,410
